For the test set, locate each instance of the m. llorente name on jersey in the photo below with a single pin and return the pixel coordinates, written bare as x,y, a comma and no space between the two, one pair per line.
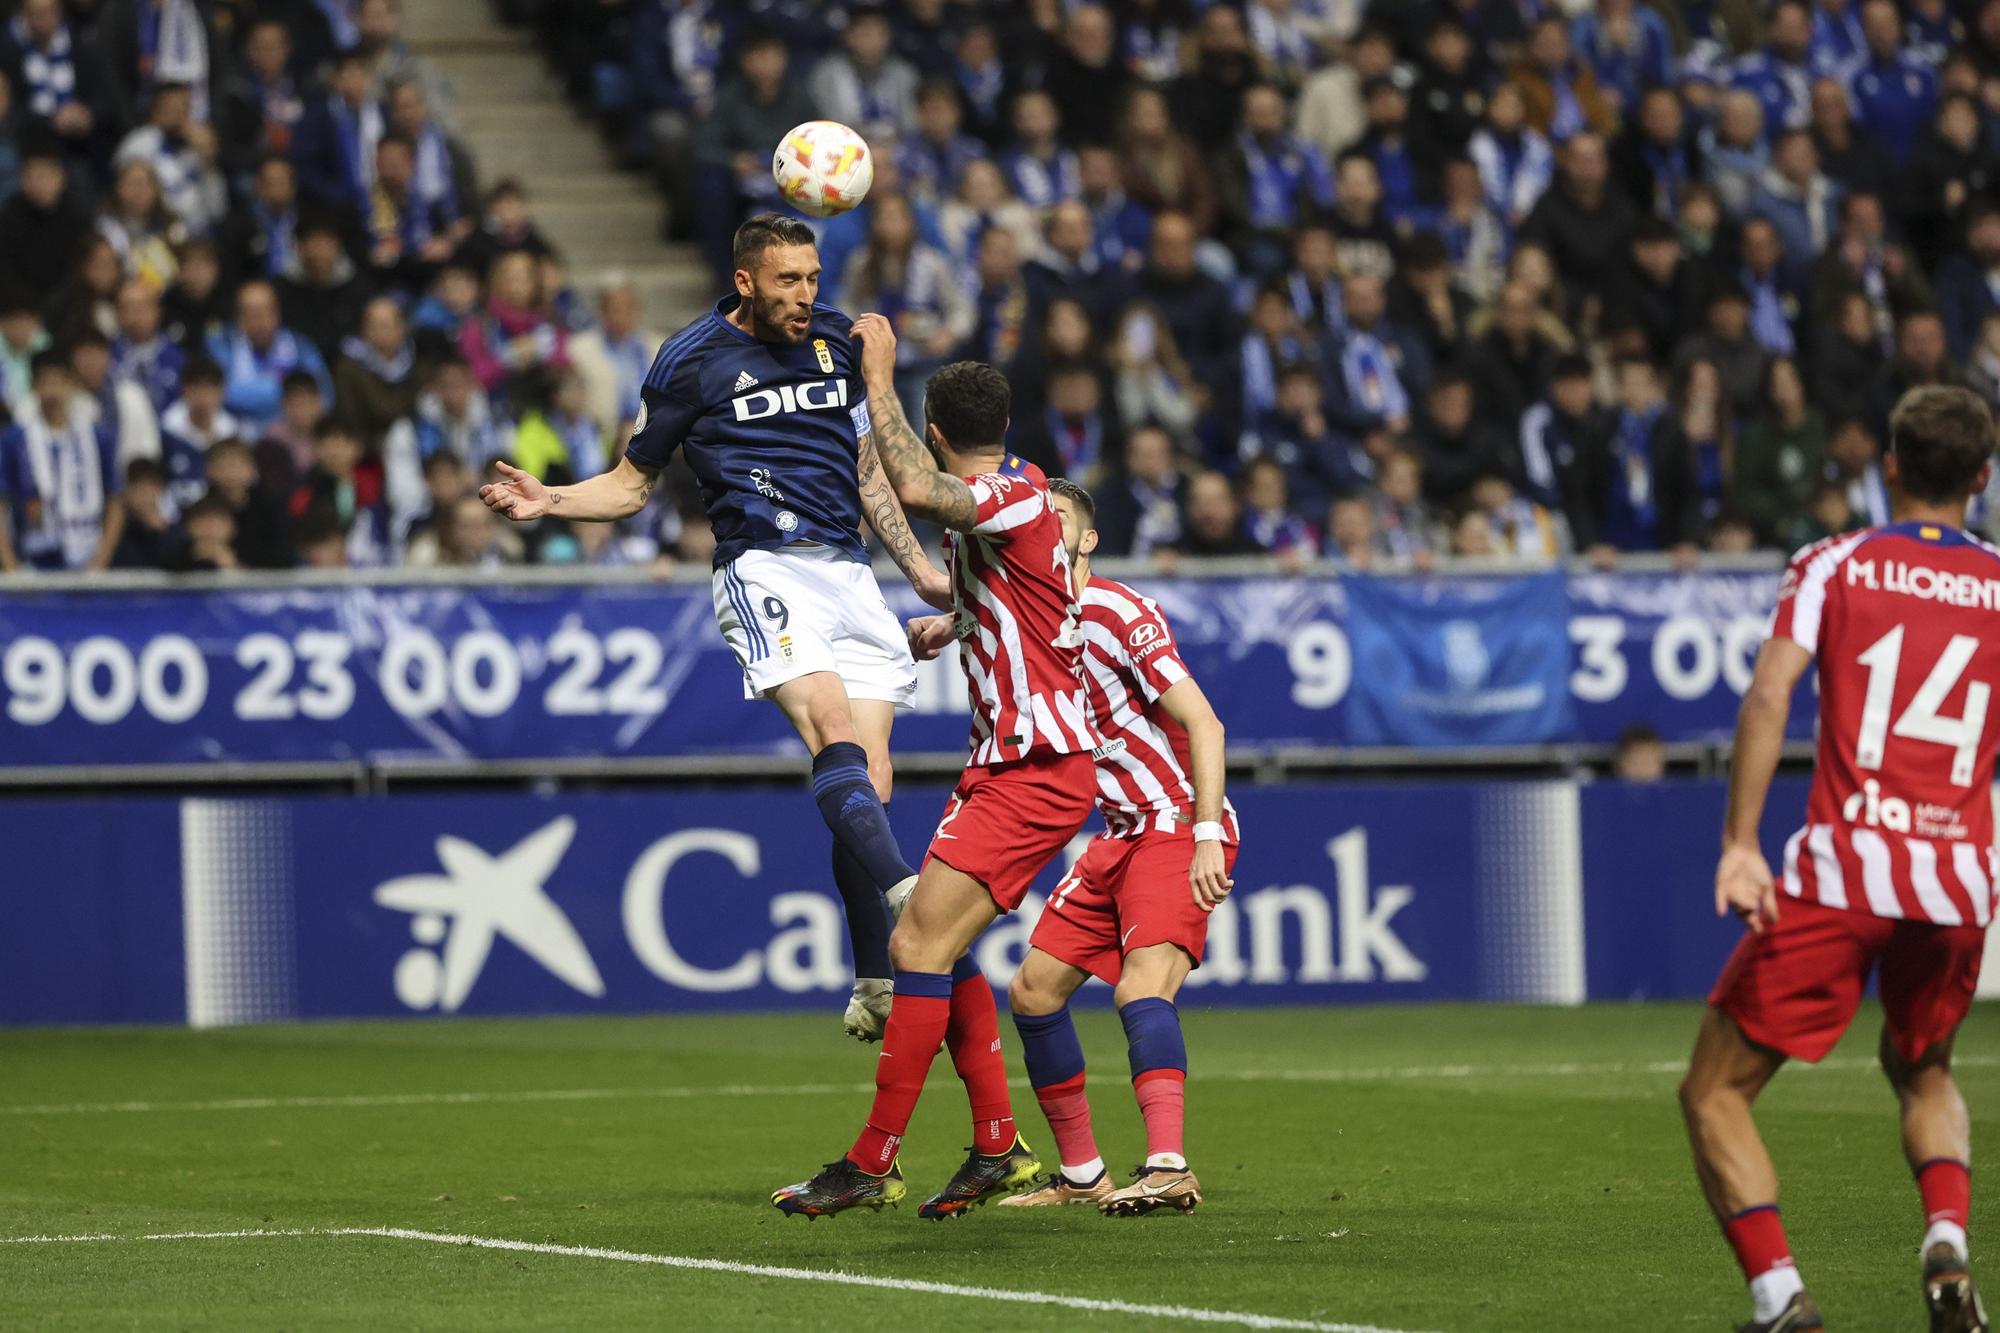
771,430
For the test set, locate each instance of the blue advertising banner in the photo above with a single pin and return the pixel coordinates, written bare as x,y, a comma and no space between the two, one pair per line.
237,911
1459,662
553,671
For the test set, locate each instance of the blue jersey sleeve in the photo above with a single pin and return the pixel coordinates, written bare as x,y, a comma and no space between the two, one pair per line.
664,421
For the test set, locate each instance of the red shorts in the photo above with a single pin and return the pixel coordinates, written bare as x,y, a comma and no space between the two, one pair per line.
1125,894
1795,987
1003,824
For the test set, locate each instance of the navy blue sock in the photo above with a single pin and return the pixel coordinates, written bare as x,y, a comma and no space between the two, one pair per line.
1153,1036
1049,1047
848,803
867,915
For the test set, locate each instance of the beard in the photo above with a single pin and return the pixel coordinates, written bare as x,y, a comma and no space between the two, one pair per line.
771,320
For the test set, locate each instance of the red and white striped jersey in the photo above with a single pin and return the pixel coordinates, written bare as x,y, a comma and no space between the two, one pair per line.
1016,621
1905,622
1130,659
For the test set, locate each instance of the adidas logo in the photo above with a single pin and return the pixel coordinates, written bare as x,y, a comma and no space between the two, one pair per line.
744,381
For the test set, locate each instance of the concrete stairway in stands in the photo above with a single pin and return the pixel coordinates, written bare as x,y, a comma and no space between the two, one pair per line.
511,114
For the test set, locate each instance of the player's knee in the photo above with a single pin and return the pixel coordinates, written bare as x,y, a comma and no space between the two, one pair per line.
1025,995
905,952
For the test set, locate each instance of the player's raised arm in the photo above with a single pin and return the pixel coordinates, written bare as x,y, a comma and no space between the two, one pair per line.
1184,702
1743,881
884,513
604,498
923,489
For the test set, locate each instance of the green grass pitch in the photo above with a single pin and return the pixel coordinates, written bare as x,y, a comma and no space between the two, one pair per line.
1439,1168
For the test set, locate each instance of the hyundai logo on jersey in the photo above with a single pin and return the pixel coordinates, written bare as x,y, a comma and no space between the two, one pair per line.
813,396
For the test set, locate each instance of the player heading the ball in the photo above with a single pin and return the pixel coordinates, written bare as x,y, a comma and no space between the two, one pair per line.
763,395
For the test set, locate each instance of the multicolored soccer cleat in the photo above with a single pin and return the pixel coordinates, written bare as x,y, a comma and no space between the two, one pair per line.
868,1008
1949,1295
1799,1316
982,1178
839,1186
1157,1187
1057,1189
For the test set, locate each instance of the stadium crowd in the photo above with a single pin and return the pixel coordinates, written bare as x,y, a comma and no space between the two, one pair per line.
1382,282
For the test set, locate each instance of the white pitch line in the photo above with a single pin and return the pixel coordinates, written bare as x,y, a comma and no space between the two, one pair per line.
1358,1074
1096,1305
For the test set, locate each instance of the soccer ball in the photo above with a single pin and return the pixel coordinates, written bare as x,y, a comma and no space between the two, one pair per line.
823,168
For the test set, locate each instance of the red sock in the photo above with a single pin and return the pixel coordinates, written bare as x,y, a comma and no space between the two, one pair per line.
1946,1187
1758,1238
917,1020
1068,1112
974,1037
1163,1102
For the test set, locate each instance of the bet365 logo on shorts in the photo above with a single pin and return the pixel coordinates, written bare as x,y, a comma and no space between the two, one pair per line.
812,396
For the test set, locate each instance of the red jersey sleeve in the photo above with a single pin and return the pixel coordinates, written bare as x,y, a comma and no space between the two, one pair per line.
1149,647
1802,596
1005,500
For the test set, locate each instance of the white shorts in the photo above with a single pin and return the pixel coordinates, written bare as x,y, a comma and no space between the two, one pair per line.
789,613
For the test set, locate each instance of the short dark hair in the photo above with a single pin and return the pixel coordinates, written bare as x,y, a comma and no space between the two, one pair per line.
49,358
201,370
968,401
297,381
209,506
334,426
233,445
88,336
765,230
1570,366
143,470
1077,496
1942,436
1639,733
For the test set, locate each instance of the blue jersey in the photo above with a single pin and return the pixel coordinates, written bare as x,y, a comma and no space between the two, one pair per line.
771,430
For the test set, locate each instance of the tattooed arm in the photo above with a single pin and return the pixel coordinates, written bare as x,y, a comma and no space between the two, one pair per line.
604,498
885,515
924,491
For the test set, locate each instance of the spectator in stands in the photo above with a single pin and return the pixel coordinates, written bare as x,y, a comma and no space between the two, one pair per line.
151,537
261,237
557,440
1895,96
514,334
1331,110
264,104
142,231
321,295
42,226
1449,92
1164,170
284,452
1273,341
141,354
11,125
505,227
441,185
1455,448
1780,455
1648,301
1854,464
757,107
440,316
1378,370
262,528
1085,77
1121,227
1951,170
407,237
346,487
184,154
1152,384
1699,427
1780,75
1639,756
1564,440
1139,504
1366,237
1319,462
375,381
1627,48
21,336
120,406
1001,300
1583,223
1269,519
211,538
1078,432
982,81
1796,198
1269,182
198,303
1562,94
614,356
1406,528
1968,282
1040,169
446,481
471,536
1657,154
1982,362
1516,527
1516,164
914,285
935,158
1474,238
390,61
1726,344
88,298
61,81
1847,153
257,352
1775,288
1513,355
1213,526
1350,533
1867,261
1425,300
1207,96
1196,307
335,143
1313,281
865,84
60,477
1642,497
1921,357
